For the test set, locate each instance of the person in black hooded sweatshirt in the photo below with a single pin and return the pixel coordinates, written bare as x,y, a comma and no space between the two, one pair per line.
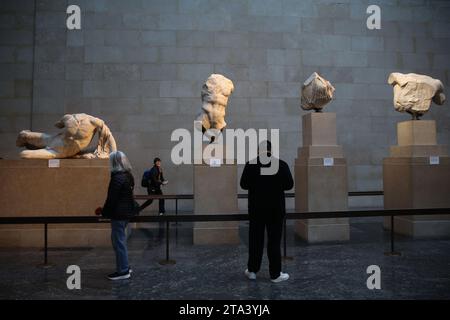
266,209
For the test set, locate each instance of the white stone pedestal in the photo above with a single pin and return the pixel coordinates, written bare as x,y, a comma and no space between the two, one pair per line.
417,175
215,192
29,188
320,186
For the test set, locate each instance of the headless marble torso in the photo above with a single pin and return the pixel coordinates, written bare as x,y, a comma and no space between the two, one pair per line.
78,130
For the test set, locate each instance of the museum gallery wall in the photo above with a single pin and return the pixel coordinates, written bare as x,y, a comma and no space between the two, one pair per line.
131,77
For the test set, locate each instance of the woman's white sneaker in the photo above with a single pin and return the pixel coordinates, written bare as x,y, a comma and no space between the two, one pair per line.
282,277
250,275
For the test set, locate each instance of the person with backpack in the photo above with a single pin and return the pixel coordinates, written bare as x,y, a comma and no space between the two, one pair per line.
153,179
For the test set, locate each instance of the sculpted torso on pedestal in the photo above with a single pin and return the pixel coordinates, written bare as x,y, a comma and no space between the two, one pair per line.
77,132
413,93
316,92
215,94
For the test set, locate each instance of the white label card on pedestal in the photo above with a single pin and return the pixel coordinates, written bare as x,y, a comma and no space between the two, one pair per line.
434,160
328,162
53,163
214,162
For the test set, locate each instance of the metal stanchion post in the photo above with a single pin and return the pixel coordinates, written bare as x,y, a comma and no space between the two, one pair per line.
167,261
45,264
176,222
176,210
392,252
285,257
45,244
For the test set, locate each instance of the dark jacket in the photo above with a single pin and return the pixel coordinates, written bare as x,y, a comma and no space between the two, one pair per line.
152,179
119,204
266,199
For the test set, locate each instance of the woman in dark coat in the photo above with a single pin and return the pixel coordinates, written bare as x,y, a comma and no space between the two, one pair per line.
119,207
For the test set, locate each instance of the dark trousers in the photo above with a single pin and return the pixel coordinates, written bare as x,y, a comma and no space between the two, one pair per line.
256,245
150,201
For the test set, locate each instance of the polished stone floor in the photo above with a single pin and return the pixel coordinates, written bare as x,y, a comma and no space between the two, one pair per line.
326,271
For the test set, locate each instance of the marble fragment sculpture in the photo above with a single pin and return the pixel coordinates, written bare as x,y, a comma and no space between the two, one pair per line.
316,92
215,93
413,93
77,132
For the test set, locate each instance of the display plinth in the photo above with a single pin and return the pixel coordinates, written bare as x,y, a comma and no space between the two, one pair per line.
417,175
416,133
215,192
75,188
321,180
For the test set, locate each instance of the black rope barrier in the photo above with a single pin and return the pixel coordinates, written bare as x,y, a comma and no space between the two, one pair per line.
245,195
223,217
177,197
226,217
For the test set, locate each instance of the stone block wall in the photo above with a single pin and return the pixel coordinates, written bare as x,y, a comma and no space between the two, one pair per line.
140,65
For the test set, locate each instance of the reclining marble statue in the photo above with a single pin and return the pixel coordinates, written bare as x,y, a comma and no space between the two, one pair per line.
78,131
316,92
215,93
413,93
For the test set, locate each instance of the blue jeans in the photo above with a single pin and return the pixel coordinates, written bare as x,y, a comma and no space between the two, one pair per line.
119,242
